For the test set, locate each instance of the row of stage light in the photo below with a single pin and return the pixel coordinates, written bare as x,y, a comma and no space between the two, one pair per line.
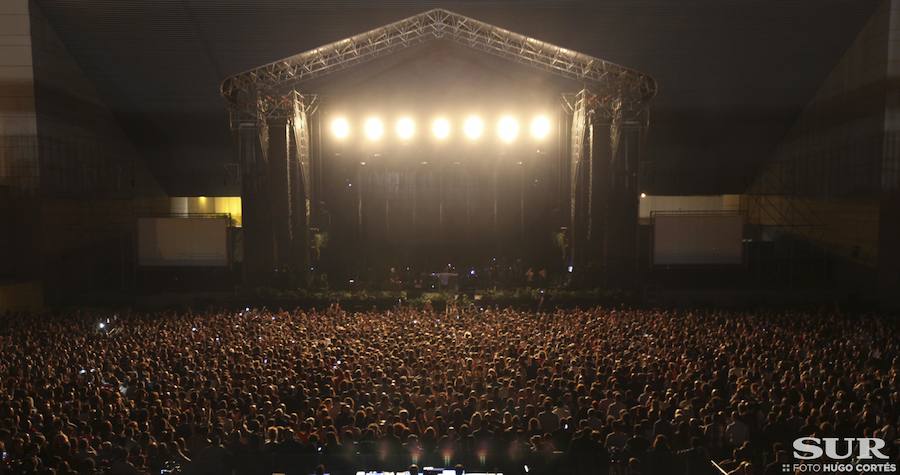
473,128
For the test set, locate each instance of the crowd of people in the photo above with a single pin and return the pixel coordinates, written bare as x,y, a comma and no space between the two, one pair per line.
590,391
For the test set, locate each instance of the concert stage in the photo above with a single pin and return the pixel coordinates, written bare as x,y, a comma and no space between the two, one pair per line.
497,147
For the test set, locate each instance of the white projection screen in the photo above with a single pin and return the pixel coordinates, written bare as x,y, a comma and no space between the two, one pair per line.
196,242
698,239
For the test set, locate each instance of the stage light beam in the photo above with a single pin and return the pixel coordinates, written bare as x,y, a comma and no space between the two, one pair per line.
374,129
508,129
540,127
405,128
473,127
440,128
340,128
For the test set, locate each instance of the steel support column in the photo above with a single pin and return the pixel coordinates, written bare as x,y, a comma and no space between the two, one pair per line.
604,184
257,221
279,191
300,191
579,182
620,264
602,150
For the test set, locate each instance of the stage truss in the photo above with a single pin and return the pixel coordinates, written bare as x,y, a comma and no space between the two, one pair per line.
613,100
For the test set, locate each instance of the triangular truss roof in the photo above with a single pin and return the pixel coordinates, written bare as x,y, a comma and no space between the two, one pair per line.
608,80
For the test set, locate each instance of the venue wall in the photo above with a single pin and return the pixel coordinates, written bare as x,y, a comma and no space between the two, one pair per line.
18,142
73,181
830,180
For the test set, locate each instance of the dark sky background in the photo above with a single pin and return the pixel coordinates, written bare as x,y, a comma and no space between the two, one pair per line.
732,74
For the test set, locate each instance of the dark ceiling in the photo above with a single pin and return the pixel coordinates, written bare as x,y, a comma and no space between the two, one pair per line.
732,74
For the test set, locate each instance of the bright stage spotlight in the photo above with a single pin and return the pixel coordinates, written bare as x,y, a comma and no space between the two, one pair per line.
507,129
540,127
473,127
340,128
373,128
440,128
405,128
